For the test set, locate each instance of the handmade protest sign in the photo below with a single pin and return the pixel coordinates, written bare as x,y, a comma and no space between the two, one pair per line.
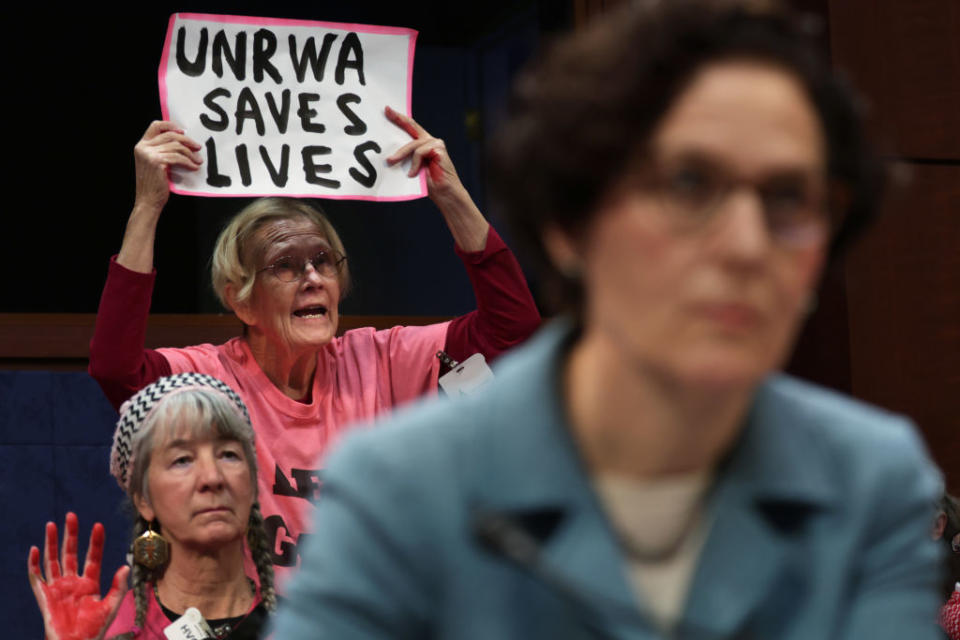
289,107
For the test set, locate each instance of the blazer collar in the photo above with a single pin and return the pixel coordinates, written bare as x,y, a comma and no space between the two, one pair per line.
535,454
532,469
774,478
776,459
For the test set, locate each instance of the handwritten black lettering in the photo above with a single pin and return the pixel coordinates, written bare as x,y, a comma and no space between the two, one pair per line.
357,127
264,46
279,176
312,171
237,59
247,108
195,68
280,115
214,177
351,45
317,61
369,178
243,163
208,102
306,113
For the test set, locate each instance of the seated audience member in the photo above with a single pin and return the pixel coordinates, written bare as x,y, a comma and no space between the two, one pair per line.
640,469
947,528
183,451
280,266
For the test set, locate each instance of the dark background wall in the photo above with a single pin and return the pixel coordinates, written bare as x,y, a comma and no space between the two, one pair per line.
888,326
81,88
903,282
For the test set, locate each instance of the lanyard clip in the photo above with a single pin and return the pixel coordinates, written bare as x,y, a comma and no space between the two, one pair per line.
446,360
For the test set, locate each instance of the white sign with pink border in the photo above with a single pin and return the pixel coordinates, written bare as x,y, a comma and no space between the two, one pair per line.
289,107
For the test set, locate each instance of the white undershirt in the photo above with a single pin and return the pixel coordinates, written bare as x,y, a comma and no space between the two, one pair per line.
662,526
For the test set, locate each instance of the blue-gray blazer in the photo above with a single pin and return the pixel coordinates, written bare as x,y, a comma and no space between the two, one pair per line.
819,525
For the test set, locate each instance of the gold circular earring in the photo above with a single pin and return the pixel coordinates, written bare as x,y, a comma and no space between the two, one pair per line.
151,550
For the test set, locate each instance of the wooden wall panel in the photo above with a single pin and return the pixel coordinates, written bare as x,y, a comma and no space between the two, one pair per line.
822,352
61,341
903,282
903,295
905,55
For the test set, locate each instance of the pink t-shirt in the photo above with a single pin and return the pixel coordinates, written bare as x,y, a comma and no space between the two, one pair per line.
359,376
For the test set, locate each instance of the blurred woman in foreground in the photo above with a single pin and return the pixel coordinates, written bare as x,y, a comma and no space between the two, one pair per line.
684,170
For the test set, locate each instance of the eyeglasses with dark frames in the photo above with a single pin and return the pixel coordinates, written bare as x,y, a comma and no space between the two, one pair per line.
692,190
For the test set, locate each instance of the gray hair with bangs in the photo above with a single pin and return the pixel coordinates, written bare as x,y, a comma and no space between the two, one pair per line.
192,405
193,412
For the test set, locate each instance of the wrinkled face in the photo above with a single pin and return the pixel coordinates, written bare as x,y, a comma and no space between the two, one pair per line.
713,298
200,490
294,316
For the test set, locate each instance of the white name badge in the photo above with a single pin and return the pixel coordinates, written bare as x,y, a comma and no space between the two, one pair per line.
189,626
467,377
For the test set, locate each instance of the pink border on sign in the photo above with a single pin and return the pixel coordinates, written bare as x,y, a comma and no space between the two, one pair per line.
162,71
412,196
287,22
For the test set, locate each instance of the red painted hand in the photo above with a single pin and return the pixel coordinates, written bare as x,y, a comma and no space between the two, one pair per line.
70,603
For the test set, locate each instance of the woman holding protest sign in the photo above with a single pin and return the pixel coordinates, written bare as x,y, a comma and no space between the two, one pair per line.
280,266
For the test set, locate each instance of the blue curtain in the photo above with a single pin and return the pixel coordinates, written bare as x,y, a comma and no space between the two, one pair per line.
55,435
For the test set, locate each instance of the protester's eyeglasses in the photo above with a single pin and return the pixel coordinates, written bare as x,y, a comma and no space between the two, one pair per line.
692,190
325,262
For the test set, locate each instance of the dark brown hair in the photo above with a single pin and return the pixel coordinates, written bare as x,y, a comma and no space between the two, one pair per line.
583,113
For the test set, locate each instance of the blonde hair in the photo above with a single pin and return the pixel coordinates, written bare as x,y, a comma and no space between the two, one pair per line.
232,255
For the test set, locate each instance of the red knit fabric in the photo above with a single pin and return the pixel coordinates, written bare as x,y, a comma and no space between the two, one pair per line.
950,616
